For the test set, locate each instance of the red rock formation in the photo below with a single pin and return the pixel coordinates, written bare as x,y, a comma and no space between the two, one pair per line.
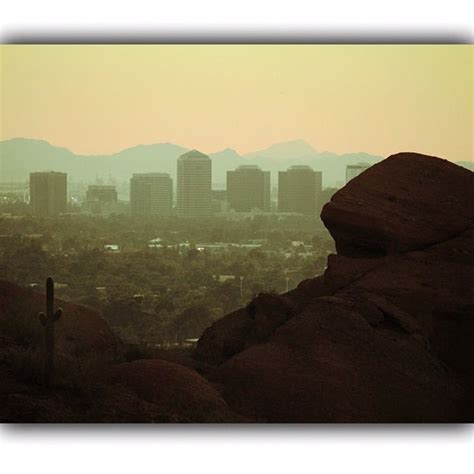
406,202
387,333
328,364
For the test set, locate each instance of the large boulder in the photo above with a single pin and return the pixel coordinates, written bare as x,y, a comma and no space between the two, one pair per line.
406,202
179,392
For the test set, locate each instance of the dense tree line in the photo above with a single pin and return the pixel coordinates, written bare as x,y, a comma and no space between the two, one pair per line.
161,294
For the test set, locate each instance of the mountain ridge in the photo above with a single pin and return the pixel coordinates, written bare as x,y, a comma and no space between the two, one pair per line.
19,156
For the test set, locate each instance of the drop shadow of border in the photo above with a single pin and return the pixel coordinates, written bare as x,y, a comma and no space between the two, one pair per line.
215,34
239,431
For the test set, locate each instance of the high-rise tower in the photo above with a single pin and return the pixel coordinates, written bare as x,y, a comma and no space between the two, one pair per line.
151,194
248,188
299,190
194,184
48,193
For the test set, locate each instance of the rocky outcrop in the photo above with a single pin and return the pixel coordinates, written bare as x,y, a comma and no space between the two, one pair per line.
434,287
328,364
406,202
387,333
244,328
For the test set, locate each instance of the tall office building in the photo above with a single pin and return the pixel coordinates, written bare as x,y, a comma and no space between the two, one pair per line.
48,193
248,188
299,190
194,184
355,170
151,194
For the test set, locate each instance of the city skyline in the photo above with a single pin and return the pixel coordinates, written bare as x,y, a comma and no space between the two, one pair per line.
378,99
248,189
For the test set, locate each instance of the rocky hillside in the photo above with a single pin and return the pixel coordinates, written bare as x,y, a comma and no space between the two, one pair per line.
387,333
94,382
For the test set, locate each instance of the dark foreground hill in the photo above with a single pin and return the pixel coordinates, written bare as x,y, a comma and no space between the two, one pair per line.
385,335
94,382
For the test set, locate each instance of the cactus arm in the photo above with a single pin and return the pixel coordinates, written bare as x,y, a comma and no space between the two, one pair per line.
58,314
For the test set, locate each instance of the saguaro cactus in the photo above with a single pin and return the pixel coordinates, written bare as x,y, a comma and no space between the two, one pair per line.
48,321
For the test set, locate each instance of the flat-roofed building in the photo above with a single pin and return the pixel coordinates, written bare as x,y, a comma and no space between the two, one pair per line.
48,193
248,189
194,197
299,190
151,194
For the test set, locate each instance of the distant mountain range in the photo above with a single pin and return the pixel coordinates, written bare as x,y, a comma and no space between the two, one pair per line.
20,156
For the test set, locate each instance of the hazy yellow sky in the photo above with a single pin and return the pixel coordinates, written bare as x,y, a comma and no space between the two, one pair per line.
378,99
